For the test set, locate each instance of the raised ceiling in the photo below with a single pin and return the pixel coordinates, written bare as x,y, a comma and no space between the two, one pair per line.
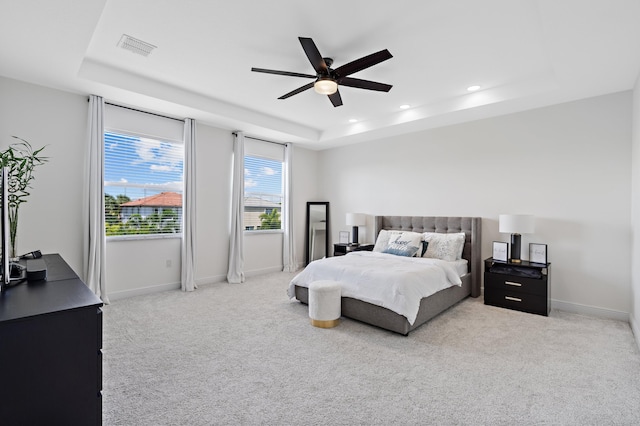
522,53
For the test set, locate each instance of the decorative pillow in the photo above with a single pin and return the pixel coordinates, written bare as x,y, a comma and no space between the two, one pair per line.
383,239
444,246
405,244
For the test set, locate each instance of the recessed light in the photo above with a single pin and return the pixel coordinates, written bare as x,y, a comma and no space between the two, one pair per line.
353,120
405,106
473,88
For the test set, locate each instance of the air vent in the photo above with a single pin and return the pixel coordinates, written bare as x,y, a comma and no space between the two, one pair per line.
136,46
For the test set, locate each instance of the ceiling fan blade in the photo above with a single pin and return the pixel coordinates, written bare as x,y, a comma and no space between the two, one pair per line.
364,84
314,55
298,90
287,73
335,99
362,63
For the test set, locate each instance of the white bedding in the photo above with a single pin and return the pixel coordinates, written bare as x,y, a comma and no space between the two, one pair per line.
397,283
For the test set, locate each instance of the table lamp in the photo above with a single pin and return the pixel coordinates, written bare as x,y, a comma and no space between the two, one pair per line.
516,224
355,220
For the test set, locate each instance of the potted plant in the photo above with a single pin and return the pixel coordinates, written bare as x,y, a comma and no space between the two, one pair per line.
21,160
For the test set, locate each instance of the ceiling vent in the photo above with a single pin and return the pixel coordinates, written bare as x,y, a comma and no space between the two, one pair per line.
136,46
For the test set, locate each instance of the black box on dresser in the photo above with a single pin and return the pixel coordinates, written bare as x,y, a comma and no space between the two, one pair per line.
523,286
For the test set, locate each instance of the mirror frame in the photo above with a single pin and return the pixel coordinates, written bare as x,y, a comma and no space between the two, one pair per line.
307,225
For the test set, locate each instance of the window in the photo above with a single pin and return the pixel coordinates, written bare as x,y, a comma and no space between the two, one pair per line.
143,185
263,194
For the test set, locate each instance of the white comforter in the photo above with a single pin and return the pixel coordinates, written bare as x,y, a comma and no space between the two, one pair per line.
394,282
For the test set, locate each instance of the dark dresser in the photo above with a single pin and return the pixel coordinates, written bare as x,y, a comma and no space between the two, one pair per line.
50,351
521,286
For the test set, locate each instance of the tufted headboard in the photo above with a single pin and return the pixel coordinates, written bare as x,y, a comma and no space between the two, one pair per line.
471,226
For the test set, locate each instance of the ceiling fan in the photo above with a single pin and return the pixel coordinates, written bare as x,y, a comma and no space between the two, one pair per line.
328,79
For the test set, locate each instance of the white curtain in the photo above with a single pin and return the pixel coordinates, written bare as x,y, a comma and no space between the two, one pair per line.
189,208
236,246
288,246
93,215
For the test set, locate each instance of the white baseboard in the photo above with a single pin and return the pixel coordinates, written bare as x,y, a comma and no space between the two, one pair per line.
577,308
124,294
221,278
173,286
635,329
256,272
211,280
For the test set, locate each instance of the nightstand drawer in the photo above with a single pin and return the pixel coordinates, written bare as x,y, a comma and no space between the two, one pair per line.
525,302
515,284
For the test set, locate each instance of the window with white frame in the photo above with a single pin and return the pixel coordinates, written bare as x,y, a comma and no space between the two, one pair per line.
143,175
263,187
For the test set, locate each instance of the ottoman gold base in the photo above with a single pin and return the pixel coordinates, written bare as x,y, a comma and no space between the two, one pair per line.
325,324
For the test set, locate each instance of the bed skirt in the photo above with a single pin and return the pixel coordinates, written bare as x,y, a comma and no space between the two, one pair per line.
389,320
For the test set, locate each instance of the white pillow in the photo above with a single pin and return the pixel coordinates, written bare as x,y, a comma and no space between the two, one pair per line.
405,244
444,246
383,240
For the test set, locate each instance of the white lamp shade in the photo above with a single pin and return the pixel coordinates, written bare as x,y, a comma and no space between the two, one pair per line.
517,224
356,219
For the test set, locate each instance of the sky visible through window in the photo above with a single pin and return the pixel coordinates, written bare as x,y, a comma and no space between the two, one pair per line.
262,176
141,167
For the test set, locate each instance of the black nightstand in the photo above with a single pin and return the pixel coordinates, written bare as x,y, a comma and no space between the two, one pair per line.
340,249
521,286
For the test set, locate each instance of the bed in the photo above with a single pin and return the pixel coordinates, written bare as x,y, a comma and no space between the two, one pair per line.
427,307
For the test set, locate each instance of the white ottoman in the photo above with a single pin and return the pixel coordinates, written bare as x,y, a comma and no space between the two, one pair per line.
324,303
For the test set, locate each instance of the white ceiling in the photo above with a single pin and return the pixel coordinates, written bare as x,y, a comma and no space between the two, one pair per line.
523,53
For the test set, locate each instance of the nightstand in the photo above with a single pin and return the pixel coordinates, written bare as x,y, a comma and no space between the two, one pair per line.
521,286
340,249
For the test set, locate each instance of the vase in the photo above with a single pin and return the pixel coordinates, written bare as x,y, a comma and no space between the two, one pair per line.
13,228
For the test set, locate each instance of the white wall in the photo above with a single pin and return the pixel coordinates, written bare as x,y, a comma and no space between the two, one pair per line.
635,214
306,184
51,218
566,164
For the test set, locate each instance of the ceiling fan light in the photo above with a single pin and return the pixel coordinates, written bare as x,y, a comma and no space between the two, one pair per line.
325,86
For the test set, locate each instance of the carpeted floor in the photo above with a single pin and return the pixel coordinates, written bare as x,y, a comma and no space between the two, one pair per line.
243,354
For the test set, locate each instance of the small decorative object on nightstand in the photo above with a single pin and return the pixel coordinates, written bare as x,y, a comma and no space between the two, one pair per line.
500,251
342,249
523,286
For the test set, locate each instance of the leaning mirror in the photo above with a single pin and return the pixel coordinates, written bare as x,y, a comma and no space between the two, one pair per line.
317,231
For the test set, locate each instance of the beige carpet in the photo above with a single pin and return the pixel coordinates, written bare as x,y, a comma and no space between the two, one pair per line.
243,354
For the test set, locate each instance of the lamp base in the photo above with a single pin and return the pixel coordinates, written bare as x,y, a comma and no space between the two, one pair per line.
515,248
354,234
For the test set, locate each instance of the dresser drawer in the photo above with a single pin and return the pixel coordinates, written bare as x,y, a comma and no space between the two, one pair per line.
514,283
525,302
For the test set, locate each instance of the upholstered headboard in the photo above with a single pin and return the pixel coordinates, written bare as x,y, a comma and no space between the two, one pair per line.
471,226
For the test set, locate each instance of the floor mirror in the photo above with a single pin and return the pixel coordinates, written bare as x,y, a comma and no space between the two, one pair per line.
317,231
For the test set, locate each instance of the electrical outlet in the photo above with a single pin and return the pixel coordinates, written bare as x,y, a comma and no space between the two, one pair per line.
168,263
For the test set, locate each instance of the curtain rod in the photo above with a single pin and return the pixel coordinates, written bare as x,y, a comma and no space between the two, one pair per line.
146,112
258,139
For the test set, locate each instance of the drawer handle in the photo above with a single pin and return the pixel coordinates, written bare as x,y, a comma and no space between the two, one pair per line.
514,299
513,284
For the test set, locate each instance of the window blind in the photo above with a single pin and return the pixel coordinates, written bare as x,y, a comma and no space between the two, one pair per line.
263,186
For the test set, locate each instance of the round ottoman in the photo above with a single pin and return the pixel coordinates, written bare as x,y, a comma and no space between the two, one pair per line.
324,303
